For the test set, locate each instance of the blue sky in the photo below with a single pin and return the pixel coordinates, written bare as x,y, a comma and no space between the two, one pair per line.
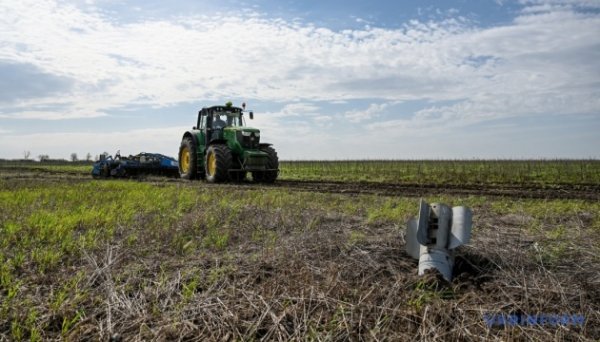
326,79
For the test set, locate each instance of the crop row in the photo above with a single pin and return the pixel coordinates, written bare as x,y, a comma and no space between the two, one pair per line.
453,172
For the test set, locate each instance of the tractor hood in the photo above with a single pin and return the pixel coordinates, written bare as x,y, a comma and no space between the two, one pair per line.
242,138
242,129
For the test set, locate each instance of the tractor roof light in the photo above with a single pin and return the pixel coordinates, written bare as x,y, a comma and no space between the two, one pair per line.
438,230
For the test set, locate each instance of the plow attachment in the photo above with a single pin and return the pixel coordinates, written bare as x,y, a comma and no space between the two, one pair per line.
140,164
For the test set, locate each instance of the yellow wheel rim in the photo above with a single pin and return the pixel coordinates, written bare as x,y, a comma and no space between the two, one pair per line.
185,160
211,162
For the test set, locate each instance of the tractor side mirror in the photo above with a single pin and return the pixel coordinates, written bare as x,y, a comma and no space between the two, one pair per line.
251,115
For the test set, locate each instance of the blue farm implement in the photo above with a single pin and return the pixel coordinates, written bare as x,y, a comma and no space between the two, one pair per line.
140,164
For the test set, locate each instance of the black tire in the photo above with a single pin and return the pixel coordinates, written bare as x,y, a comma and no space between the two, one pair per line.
219,172
188,169
272,163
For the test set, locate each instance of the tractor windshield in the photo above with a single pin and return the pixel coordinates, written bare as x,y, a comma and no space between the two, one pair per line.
234,119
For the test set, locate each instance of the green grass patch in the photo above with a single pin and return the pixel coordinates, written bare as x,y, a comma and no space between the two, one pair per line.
447,172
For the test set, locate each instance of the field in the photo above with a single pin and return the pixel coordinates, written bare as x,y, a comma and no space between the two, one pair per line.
317,256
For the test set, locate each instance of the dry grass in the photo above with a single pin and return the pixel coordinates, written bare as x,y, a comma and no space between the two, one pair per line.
300,266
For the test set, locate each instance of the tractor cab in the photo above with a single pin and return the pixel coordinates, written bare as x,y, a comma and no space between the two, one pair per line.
213,120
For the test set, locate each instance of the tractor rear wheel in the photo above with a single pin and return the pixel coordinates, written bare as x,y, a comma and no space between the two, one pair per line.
218,162
272,164
188,166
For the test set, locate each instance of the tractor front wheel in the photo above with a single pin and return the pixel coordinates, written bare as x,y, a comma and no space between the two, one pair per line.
218,162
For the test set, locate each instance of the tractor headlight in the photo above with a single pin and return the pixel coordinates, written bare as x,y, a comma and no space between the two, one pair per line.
246,134
257,134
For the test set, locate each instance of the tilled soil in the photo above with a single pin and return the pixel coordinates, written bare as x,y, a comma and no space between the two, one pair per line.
560,191
536,191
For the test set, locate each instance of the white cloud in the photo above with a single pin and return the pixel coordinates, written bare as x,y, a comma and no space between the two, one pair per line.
163,62
52,115
62,144
579,3
545,61
489,107
368,114
323,118
302,109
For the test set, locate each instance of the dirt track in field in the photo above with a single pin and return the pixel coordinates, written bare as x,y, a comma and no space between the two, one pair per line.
551,191
563,191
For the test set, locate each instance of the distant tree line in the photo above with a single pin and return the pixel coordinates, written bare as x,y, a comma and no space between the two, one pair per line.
44,158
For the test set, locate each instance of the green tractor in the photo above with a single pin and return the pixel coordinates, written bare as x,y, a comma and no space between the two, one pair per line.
222,148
